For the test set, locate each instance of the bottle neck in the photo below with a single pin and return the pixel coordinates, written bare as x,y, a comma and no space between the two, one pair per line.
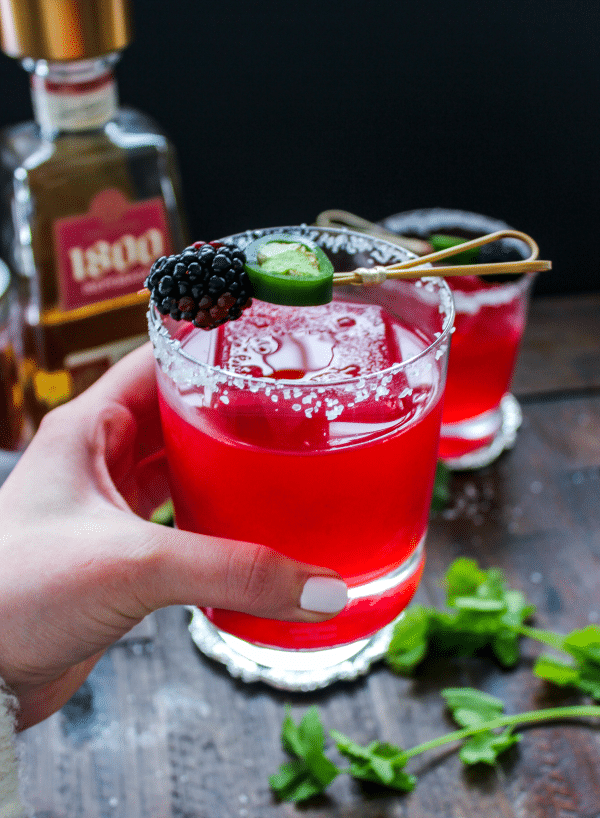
73,96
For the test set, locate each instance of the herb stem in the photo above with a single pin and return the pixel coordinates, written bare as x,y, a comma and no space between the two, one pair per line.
530,717
554,640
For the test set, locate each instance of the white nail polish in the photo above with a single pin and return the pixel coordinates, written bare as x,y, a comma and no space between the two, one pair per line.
324,595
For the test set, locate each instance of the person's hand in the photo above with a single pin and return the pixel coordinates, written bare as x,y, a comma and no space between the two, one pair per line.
80,562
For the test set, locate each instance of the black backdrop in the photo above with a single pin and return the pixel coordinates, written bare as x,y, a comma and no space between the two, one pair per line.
281,110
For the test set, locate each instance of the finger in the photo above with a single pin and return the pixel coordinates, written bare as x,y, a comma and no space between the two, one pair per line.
123,401
181,568
95,446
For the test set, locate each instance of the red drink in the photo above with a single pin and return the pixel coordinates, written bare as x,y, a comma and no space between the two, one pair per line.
489,324
481,417
313,430
352,494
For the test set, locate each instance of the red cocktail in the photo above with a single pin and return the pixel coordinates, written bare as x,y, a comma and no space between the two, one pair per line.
480,417
313,430
488,327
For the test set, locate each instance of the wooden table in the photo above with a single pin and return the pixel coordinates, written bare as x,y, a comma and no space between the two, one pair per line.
159,730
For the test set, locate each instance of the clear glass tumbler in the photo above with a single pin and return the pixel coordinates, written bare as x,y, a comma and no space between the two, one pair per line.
481,417
313,430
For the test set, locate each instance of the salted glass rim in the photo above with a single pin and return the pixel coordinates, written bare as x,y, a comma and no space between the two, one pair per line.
445,305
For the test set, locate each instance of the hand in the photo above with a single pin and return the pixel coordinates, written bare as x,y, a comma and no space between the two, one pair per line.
81,563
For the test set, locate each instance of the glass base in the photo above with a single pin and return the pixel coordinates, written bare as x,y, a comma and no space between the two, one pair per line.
501,426
293,670
312,669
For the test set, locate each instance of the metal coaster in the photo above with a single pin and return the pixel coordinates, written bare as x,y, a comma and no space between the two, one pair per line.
211,642
512,417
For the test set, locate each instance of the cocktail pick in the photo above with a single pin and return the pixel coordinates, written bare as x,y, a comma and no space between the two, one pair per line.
414,268
342,218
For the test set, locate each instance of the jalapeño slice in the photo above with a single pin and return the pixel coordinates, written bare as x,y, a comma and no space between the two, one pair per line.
440,241
288,269
488,253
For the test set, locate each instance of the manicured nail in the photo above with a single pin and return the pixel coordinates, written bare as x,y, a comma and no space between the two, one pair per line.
324,595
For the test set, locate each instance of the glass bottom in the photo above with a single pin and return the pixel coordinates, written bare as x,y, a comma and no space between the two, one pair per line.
479,441
304,670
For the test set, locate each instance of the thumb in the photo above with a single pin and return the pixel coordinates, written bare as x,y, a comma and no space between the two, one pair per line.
182,568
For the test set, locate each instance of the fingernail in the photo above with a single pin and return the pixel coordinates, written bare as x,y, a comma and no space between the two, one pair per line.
324,595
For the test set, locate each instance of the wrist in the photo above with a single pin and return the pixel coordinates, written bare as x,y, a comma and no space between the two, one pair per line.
10,801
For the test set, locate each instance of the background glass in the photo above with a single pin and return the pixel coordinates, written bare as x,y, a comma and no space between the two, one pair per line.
481,417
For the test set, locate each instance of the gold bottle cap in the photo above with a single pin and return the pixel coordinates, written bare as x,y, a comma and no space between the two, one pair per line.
63,29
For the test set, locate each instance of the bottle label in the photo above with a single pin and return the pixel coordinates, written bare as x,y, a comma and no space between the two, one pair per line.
62,106
81,370
107,252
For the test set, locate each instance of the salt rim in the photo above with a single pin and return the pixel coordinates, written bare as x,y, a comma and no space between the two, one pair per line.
498,295
424,221
186,371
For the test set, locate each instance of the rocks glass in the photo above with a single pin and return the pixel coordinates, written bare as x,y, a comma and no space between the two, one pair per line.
313,430
481,417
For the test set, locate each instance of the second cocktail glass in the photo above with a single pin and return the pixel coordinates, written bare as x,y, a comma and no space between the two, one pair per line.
481,417
313,430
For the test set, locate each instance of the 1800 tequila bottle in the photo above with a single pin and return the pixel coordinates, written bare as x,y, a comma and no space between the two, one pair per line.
90,196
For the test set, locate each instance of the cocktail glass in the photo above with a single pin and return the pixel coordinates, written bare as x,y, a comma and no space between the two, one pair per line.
481,417
313,430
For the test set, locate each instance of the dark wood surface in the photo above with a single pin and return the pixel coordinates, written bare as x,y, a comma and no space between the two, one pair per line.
160,731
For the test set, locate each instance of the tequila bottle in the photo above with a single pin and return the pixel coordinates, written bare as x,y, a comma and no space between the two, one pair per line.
90,196
13,431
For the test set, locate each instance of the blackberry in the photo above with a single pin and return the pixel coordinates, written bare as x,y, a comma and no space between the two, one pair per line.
206,284
497,252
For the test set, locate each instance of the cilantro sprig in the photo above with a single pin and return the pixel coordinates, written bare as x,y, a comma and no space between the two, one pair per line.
484,613
486,733
582,667
311,771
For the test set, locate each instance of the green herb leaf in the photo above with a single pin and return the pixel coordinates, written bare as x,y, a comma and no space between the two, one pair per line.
484,748
584,672
471,708
556,671
379,762
311,772
505,647
410,640
441,487
484,612
384,763
164,515
312,739
584,645
294,782
463,578
589,681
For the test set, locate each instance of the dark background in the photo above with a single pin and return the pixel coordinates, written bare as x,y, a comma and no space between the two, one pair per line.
281,110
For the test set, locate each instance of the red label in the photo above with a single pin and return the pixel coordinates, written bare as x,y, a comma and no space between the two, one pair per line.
108,251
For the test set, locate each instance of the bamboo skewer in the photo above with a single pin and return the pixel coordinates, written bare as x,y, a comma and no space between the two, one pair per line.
413,268
342,218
